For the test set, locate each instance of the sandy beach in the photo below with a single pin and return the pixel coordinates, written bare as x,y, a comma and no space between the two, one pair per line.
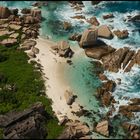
56,85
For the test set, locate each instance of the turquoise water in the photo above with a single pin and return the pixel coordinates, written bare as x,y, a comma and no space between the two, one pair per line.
80,76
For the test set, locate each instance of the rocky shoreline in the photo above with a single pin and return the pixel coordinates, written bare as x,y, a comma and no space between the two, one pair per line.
113,60
24,29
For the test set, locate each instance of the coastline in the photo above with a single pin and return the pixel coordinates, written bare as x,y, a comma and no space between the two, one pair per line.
55,83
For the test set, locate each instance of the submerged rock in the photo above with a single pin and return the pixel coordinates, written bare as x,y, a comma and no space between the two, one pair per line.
108,16
67,25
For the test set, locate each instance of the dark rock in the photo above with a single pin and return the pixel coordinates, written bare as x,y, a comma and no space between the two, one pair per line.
25,124
14,11
95,2
134,60
78,17
134,18
108,16
135,101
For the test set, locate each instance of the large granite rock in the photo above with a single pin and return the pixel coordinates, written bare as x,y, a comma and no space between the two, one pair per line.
103,128
98,51
105,32
75,130
63,49
88,39
69,97
4,12
113,61
25,124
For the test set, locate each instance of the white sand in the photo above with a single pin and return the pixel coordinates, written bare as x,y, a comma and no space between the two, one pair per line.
53,67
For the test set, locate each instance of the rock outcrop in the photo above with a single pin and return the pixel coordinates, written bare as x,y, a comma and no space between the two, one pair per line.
25,124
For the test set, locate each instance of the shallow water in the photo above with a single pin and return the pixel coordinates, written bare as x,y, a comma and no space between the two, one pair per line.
80,76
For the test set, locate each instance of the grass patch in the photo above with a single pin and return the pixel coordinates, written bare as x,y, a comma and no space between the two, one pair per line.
28,86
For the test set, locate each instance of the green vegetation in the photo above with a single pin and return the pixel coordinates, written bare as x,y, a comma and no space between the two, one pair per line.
1,133
22,85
